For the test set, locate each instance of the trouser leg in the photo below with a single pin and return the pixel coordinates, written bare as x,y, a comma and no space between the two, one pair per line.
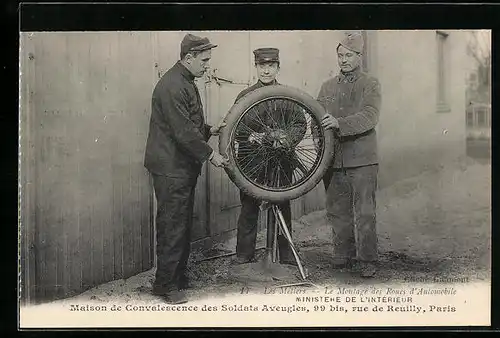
173,227
181,268
339,207
285,251
364,184
247,227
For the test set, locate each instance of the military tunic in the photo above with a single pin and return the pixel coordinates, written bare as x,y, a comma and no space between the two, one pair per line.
354,99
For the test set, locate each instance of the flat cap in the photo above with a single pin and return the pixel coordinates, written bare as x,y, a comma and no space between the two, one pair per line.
354,42
266,55
192,43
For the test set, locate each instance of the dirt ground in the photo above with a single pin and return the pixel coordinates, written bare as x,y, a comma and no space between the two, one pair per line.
436,224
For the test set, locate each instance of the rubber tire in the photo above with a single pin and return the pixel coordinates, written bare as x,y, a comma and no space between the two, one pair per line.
232,118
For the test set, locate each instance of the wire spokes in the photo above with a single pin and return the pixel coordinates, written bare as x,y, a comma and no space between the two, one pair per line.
277,143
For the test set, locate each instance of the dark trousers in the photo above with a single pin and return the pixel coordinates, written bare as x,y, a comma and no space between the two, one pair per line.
247,228
174,219
351,210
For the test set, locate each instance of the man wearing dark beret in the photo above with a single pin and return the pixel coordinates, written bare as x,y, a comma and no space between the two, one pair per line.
352,100
267,64
176,149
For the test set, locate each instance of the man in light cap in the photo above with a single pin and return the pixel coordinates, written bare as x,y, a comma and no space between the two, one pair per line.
267,64
352,100
176,149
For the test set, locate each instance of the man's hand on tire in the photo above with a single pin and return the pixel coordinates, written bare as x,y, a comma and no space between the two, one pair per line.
215,130
218,160
329,122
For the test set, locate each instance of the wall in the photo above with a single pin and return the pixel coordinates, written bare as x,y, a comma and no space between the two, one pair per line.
413,135
86,198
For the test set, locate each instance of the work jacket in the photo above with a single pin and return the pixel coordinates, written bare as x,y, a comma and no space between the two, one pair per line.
177,141
354,99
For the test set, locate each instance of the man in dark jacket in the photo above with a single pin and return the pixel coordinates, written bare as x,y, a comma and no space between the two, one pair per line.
352,100
267,64
175,152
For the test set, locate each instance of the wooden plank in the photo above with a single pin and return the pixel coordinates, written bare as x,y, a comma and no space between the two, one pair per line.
125,80
22,190
296,207
117,228
99,151
61,75
146,191
84,151
227,95
114,94
129,106
219,198
41,233
215,175
140,41
107,108
73,219
127,222
136,212
141,102
85,219
146,225
72,113
199,228
51,119
315,199
28,83
155,44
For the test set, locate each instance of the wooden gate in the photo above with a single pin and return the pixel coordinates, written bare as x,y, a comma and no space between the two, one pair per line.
86,199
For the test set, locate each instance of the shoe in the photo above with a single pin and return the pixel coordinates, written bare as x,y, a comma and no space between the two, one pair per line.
242,260
174,297
367,269
160,290
341,262
184,283
288,259
288,262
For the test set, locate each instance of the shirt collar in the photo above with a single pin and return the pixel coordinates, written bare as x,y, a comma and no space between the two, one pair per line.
262,84
349,76
185,72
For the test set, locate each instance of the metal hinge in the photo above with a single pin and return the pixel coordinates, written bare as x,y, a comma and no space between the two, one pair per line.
211,75
231,206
